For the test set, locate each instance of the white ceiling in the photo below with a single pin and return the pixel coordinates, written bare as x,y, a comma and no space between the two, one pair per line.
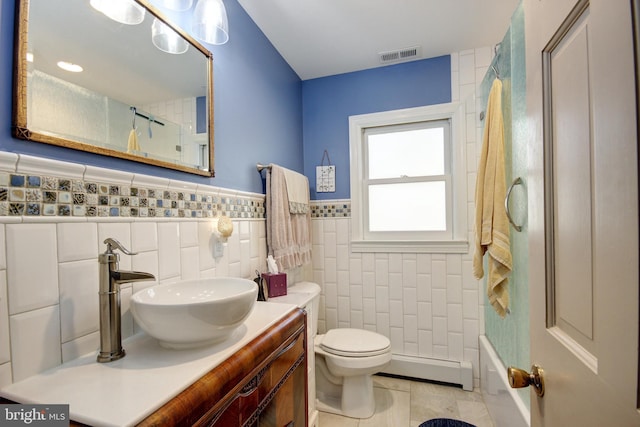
325,37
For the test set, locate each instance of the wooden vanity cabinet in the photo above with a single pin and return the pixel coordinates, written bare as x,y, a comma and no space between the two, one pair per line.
263,384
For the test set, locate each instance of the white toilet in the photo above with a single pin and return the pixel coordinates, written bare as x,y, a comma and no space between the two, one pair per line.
345,361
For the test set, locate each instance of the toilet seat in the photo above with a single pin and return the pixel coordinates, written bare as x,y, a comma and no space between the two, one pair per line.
348,342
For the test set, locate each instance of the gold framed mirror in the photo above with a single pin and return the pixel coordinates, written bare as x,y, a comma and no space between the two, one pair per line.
132,100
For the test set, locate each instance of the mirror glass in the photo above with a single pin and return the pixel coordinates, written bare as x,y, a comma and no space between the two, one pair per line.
132,99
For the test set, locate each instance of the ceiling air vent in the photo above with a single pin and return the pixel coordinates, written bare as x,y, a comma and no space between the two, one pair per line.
406,54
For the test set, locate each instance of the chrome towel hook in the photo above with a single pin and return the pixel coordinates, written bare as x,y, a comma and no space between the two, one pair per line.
517,181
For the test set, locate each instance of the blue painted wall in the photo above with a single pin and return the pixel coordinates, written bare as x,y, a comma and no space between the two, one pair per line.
261,108
328,102
258,112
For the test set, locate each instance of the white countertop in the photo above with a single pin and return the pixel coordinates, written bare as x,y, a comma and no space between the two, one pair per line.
126,391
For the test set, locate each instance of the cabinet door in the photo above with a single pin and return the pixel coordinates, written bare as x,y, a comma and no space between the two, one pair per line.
288,406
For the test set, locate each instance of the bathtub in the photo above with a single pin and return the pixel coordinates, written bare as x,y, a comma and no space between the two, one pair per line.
503,403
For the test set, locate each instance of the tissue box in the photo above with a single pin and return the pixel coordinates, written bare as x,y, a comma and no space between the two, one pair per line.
276,283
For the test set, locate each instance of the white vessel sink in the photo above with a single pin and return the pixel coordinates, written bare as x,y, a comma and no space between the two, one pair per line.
194,313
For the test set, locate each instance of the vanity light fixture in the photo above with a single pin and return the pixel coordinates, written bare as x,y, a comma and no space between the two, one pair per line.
29,56
177,5
210,22
68,66
166,39
123,11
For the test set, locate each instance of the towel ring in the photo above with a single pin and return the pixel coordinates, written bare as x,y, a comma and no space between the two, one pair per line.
517,181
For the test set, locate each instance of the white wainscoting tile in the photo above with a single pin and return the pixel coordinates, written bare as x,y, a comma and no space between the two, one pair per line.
144,237
41,166
80,346
79,302
205,243
5,374
168,250
35,341
188,234
189,263
3,253
5,354
77,241
32,245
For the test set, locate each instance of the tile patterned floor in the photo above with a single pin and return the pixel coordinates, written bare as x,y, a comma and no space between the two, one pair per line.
405,403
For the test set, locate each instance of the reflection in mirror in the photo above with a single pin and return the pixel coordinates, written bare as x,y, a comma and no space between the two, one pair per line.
140,92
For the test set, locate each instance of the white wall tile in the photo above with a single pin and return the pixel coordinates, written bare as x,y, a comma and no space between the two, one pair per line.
205,245
3,253
425,316
35,341
439,302
77,241
188,234
144,236
5,354
189,263
396,315
5,374
467,70
81,346
31,288
440,332
79,302
168,250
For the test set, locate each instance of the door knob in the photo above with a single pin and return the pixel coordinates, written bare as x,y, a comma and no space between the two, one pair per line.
519,378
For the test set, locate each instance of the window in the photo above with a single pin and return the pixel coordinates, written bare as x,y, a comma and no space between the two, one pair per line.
408,182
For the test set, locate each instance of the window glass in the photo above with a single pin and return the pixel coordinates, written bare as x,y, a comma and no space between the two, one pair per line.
417,206
409,153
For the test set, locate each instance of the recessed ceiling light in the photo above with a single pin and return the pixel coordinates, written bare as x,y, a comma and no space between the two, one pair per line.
68,66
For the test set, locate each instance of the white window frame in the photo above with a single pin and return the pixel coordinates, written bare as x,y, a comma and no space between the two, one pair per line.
454,112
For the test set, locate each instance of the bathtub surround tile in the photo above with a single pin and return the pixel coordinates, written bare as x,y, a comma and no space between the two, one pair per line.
32,245
35,341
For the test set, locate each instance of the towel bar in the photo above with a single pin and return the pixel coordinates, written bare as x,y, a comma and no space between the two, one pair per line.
515,182
260,167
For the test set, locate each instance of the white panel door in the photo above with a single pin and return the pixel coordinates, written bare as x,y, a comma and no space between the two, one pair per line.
583,211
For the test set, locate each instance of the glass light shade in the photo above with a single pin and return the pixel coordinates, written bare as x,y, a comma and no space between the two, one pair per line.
177,5
210,22
166,39
123,11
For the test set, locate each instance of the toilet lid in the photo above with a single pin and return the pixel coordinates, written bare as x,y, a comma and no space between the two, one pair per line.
354,342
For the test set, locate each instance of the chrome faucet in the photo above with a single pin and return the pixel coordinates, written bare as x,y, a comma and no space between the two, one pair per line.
110,280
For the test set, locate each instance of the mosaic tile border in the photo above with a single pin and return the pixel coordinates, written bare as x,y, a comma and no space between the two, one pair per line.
47,196
32,195
331,209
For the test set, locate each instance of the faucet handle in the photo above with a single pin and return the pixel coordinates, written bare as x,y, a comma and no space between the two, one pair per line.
114,244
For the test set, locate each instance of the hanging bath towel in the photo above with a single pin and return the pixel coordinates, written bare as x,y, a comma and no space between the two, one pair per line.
288,233
491,222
